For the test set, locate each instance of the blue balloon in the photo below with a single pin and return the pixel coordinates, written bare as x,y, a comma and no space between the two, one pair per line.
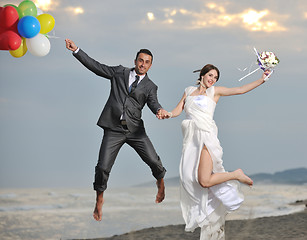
28,26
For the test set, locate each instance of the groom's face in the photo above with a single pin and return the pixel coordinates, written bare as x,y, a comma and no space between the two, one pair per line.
142,63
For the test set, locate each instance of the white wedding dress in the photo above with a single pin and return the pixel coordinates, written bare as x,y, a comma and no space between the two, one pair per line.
204,207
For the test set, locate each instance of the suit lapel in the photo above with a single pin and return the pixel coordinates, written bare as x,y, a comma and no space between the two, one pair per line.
140,85
143,82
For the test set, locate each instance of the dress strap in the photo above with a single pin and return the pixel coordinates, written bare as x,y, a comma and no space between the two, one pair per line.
189,90
210,92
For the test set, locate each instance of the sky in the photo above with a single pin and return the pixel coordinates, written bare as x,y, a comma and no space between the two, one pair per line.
49,105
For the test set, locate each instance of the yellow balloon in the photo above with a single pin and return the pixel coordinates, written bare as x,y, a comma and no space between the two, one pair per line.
47,22
21,50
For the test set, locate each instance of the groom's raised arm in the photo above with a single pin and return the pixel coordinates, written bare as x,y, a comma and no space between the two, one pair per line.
96,67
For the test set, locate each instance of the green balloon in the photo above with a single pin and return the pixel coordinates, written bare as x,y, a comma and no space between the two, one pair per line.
27,8
12,5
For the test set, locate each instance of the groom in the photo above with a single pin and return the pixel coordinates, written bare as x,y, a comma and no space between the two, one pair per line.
121,119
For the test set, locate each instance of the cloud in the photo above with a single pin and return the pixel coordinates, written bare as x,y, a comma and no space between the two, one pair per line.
51,5
214,15
252,20
150,16
47,5
75,10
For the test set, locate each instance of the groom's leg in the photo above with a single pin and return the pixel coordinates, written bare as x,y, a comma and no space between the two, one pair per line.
143,146
110,145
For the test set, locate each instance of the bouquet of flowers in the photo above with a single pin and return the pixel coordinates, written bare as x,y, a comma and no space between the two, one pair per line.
266,61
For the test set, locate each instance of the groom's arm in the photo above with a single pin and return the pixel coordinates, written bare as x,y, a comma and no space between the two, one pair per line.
90,63
152,100
96,67
154,105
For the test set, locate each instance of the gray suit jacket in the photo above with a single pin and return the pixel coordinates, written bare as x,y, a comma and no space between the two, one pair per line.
120,100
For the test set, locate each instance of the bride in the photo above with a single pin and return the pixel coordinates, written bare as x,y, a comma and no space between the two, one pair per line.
208,192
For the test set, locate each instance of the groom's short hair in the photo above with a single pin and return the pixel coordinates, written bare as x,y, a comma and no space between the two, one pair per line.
146,51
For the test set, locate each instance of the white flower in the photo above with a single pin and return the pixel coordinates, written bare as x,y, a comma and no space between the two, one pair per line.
268,59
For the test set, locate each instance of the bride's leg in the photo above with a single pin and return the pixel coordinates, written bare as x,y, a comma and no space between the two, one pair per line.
208,179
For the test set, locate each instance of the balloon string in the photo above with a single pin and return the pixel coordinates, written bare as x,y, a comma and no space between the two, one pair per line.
53,35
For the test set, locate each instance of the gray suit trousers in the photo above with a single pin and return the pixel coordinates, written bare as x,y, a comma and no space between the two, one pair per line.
112,142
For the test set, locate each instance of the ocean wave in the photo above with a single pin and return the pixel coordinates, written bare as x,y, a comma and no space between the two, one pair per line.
8,196
30,208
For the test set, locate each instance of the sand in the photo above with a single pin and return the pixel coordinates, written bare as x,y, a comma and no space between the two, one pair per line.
293,226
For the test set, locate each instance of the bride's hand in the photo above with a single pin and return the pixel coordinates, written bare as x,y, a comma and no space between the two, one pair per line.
161,114
266,74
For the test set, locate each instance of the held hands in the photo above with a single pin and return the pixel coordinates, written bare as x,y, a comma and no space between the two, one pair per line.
70,45
163,114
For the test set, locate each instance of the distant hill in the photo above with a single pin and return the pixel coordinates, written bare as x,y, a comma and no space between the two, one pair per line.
296,176
292,176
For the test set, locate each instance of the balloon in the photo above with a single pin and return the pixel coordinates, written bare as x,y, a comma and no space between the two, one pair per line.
27,8
9,37
47,22
8,17
21,50
12,5
28,27
39,45
9,40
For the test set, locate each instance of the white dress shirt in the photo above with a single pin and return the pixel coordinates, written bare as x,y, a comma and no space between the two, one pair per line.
132,77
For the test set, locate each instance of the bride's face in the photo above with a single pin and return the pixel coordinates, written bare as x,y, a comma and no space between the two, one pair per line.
210,78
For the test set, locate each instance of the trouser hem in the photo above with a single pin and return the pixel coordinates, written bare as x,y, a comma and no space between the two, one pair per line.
99,188
161,175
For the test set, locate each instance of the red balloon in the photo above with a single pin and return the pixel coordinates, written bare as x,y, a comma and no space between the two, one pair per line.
8,17
9,37
9,40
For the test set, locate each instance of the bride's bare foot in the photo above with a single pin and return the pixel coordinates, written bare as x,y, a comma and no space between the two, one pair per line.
240,175
161,191
97,214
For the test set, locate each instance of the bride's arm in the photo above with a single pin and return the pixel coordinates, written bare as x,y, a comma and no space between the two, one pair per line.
178,109
223,91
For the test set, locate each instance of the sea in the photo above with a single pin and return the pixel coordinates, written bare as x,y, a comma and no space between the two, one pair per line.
67,213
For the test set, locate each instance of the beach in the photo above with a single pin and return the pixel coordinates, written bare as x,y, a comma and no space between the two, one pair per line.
292,226
130,213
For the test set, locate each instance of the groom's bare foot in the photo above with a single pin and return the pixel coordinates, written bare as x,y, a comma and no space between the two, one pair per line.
161,191
97,214
240,175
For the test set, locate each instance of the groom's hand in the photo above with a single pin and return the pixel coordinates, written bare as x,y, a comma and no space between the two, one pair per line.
162,114
70,45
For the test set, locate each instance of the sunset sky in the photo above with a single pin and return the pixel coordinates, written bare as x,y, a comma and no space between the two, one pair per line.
49,105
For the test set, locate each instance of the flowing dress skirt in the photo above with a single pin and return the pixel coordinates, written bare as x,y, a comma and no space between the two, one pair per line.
205,207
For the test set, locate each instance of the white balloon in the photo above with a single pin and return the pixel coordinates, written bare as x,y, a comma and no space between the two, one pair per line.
39,45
